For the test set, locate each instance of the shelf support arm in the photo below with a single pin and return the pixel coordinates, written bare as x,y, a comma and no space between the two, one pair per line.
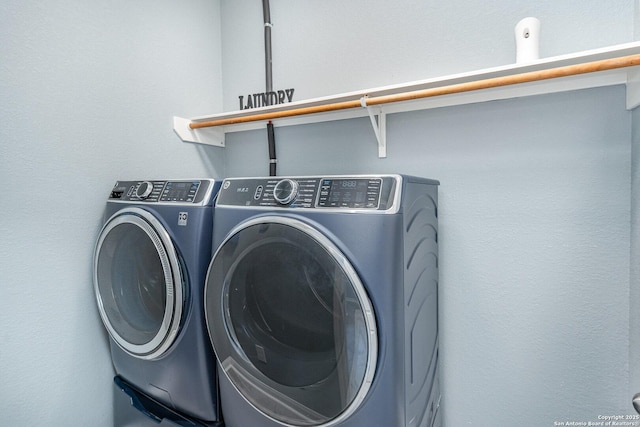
209,136
379,126
633,89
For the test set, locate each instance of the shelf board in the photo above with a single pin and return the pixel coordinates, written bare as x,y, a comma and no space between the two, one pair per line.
628,75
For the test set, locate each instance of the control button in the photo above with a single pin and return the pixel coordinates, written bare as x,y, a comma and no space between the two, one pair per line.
144,189
258,193
285,191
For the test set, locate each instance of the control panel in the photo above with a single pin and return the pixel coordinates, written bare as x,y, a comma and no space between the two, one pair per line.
373,193
187,191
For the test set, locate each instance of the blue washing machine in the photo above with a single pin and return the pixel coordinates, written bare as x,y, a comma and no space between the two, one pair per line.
150,264
321,301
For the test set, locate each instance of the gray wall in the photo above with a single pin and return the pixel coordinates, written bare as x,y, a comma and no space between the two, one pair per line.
332,46
87,95
634,288
534,241
535,196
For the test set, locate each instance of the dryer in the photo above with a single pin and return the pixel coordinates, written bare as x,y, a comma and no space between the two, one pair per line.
150,263
321,301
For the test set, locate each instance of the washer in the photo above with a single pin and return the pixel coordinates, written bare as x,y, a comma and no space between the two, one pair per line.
150,263
321,301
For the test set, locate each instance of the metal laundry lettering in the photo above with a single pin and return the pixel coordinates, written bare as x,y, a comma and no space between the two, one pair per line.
265,99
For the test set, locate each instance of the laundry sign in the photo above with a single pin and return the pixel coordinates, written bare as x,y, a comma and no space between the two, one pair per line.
265,99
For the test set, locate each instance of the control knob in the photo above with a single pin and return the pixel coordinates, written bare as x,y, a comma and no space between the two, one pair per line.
285,191
144,189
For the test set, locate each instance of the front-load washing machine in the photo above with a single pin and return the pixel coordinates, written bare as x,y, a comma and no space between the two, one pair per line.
321,301
150,264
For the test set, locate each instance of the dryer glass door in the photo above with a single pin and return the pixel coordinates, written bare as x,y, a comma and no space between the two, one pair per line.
291,323
138,283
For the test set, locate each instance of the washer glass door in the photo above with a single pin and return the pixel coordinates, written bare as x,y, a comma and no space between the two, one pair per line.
291,322
138,283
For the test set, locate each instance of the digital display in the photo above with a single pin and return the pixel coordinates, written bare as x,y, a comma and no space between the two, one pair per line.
349,184
350,193
180,191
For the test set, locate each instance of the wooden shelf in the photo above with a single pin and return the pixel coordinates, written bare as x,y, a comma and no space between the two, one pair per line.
614,65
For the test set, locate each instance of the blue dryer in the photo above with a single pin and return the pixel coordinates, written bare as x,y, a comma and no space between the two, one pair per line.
321,301
150,264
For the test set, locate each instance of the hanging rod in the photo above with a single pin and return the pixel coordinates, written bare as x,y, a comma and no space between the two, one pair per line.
527,77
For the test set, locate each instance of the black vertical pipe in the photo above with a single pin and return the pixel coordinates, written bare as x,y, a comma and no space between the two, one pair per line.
272,149
266,13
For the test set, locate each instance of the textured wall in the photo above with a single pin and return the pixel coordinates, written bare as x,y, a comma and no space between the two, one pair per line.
87,95
326,47
534,243
634,289
535,193
634,285
535,201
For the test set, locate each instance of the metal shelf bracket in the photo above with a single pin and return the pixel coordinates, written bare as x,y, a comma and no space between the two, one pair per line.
379,126
633,89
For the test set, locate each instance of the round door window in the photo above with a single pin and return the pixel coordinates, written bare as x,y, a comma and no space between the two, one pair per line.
291,323
138,283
